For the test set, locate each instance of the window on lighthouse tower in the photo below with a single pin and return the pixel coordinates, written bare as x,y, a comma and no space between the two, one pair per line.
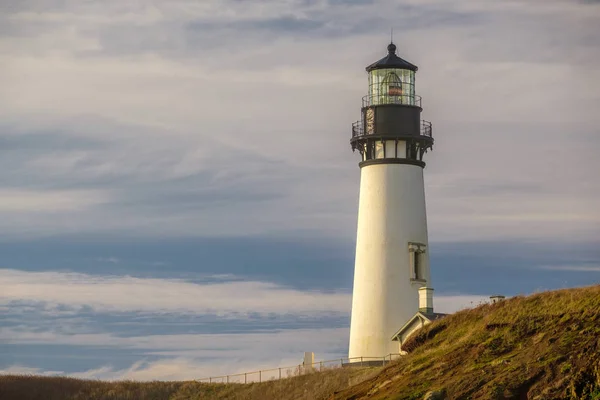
416,251
417,265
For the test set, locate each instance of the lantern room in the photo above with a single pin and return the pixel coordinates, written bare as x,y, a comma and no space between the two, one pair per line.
391,80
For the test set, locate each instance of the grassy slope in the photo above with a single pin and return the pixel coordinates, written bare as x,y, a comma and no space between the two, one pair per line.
545,346
314,386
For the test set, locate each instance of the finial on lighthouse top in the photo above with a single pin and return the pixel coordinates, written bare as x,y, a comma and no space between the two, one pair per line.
392,61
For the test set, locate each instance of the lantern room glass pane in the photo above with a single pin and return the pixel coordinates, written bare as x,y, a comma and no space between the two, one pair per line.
392,86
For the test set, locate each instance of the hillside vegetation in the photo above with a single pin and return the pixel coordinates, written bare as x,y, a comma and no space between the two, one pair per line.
312,386
545,346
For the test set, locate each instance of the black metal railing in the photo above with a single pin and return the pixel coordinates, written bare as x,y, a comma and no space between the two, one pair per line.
358,129
425,128
265,375
381,99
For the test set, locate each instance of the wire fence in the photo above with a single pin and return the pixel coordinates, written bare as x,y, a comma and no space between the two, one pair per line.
265,375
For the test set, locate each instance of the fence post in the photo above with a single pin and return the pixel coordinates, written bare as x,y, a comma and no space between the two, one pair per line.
361,361
279,373
245,377
227,378
210,380
341,362
259,376
320,366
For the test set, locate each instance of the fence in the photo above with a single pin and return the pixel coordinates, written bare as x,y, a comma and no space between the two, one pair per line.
300,369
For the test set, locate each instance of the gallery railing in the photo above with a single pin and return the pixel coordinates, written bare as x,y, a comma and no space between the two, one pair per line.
359,130
381,99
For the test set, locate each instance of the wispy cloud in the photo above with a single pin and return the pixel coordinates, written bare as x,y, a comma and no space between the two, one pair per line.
221,294
21,370
116,313
574,268
33,201
179,368
147,83
192,356
118,293
188,356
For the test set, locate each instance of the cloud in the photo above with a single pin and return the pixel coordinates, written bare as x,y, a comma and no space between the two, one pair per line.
182,368
167,121
31,201
573,268
167,369
21,370
188,356
128,108
172,328
205,345
224,295
155,87
118,293
447,303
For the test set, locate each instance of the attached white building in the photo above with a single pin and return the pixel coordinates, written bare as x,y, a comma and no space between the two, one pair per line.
423,317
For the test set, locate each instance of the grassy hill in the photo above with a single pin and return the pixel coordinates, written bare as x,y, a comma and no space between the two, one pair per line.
316,385
544,346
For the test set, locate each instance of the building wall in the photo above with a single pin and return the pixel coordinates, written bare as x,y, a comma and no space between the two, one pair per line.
417,324
391,215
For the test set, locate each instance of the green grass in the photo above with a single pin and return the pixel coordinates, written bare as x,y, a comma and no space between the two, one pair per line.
544,346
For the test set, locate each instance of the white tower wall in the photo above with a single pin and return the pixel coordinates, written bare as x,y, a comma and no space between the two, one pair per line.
391,215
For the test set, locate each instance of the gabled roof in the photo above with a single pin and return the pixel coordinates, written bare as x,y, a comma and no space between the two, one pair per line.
392,61
429,317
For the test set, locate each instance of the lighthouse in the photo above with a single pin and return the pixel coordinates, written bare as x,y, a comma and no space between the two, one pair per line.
392,253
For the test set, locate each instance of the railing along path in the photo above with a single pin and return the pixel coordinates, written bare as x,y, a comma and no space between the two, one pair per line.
300,369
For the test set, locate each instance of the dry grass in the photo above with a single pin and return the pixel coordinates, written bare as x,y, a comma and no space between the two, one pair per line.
544,346
312,386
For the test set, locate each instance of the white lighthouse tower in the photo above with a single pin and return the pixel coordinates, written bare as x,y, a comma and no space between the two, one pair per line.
392,254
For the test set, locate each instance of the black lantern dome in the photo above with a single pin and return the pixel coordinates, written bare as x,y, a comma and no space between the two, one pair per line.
392,61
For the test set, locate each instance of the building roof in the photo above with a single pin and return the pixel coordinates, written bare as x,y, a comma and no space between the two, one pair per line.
430,317
392,61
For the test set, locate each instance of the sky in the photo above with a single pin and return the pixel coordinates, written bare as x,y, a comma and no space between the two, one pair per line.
178,195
